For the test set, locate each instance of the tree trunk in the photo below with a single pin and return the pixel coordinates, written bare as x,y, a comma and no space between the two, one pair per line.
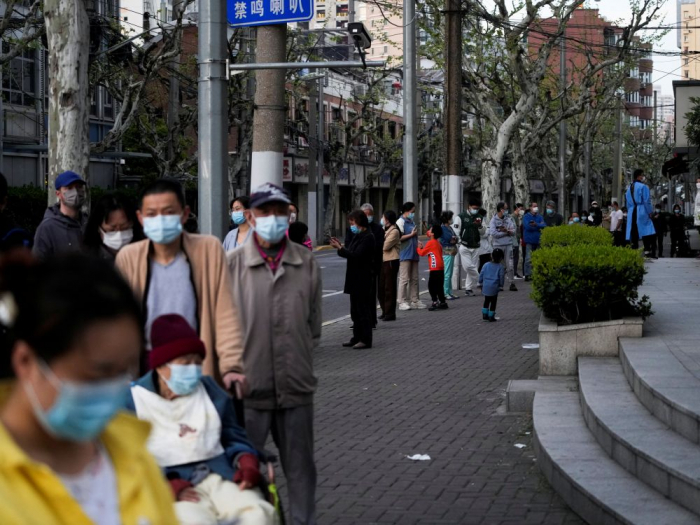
68,34
490,185
332,196
521,186
391,203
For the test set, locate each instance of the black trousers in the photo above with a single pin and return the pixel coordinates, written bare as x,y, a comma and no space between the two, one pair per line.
436,286
388,288
362,312
648,240
659,244
490,302
677,243
483,259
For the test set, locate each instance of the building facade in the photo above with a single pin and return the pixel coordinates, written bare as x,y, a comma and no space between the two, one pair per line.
688,38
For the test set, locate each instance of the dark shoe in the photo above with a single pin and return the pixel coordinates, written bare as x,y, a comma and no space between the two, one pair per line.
433,307
389,318
381,317
485,317
349,344
352,326
513,288
468,293
492,319
528,278
443,306
361,346
500,289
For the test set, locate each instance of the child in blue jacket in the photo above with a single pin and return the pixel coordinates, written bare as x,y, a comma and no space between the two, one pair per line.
492,278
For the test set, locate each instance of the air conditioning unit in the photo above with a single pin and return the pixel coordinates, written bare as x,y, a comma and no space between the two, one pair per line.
359,90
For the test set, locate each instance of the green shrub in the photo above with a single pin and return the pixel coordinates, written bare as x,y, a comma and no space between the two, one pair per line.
584,283
570,235
26,206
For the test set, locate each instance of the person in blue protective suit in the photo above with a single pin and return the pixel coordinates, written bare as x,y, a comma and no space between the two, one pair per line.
639,224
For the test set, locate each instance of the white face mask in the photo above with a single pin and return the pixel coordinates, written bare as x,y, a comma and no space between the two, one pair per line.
292,218
117,240
698,185
535,209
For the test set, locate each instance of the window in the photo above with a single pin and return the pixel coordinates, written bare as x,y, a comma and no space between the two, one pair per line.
686,73
632,97
634,121
685,61
386,49
685,38
18,79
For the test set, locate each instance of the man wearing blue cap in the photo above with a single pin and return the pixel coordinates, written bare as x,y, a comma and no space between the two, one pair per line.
62,229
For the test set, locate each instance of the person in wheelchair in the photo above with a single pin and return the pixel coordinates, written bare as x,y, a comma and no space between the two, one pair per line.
213,469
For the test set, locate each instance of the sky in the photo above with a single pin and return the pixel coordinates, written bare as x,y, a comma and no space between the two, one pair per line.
615,10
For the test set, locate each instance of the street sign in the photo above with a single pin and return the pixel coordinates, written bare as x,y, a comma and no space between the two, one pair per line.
242,13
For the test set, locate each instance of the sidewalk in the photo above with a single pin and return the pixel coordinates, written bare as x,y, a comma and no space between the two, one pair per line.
434,383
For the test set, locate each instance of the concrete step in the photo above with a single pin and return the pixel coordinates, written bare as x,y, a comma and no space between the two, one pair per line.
591,483
663,385
632,436
520,393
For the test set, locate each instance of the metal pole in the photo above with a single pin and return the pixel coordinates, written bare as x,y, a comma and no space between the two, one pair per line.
587,175
320,187
270,107
410,151
264,66
617,159
312,207
174,91
562,133
453,107
213,117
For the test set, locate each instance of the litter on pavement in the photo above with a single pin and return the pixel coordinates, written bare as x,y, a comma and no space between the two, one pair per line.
531,346
419,457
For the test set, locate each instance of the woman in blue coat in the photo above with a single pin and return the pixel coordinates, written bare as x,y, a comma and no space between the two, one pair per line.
639,203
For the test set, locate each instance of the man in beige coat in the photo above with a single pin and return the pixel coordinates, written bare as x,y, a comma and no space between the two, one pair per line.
174,272
277,289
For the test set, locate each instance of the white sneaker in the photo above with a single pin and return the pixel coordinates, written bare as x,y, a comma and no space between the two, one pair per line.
418,306
404,306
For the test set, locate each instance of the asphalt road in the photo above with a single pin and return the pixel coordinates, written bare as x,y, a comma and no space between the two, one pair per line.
336,304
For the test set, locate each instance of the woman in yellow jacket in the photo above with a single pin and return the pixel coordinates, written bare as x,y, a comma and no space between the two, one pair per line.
72,335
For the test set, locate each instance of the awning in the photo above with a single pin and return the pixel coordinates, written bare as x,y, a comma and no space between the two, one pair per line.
676,166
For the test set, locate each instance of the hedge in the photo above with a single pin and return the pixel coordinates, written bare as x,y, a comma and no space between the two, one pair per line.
26,205
584,283
576,234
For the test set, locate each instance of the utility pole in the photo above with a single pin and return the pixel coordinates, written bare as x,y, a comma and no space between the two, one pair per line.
410,145
320,165
587,175
562,132
312,205
453,106
174,91
213,117
617,159
270,108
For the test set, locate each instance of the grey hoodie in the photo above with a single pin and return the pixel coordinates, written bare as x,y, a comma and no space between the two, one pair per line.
58,233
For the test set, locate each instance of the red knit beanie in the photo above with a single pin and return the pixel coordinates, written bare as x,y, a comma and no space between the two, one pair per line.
172,337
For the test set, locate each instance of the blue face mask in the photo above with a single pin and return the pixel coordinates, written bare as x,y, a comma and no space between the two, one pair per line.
354,229
576,219
271,228
162,229
237,217
676,211
81,411
370,218
382,223
183,379
411,215
550,211
473,211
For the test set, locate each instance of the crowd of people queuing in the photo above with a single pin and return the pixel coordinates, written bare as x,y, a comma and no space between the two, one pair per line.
125,338
126,335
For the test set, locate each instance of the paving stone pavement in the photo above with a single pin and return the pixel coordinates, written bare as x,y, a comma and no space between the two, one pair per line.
434,383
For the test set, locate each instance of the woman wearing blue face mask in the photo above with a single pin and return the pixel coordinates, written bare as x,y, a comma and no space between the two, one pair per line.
73,334
212,468
359,279
240,215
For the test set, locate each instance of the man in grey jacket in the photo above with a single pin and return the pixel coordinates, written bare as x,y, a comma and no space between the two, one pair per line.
62,229
502,231
277,291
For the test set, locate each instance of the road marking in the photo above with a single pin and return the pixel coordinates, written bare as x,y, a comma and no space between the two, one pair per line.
331,294
346,317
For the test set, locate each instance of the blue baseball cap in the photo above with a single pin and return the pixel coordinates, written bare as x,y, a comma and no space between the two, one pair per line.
67,178
268,193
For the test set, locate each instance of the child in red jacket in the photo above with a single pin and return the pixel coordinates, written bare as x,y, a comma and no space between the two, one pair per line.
433,251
